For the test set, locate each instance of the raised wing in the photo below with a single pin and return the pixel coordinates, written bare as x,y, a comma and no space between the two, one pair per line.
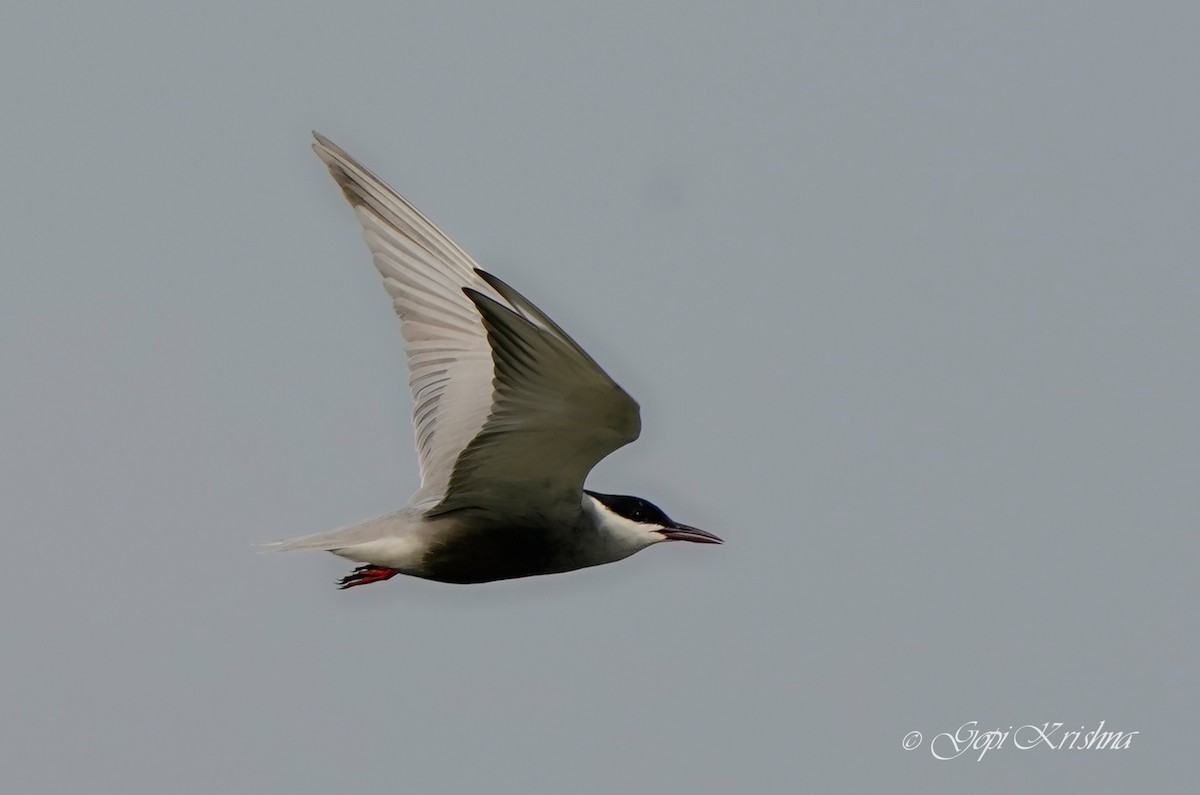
508,410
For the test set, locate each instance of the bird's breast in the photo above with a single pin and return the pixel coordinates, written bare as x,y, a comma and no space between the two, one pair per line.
475,552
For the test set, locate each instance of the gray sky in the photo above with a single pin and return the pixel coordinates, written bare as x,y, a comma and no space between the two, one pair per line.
908,294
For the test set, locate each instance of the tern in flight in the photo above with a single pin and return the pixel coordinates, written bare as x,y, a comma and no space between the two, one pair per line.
510,415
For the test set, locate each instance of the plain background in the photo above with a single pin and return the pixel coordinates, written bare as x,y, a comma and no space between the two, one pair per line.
908,293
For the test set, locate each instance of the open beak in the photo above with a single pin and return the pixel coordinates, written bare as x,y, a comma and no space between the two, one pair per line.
682,532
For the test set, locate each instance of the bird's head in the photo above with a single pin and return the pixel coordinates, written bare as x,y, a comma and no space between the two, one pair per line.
642,522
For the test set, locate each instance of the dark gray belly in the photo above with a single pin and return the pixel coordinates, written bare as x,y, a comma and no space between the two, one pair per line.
497,552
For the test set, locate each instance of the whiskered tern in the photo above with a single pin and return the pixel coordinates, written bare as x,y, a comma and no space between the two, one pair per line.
510,415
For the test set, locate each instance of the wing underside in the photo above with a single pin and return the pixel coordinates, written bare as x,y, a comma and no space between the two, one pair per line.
506,406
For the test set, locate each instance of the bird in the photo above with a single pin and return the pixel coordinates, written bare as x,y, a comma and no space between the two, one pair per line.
509,413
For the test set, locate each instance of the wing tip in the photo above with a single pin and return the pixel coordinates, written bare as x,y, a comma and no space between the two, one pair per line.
355,181
326,149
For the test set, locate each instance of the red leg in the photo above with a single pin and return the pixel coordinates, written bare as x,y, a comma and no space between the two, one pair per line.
364,575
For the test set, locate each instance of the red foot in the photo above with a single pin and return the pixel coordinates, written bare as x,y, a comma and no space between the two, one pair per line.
365,575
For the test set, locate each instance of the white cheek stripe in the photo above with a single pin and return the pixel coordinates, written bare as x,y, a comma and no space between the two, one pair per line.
624,534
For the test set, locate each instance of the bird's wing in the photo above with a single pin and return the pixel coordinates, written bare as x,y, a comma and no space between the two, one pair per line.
507,408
